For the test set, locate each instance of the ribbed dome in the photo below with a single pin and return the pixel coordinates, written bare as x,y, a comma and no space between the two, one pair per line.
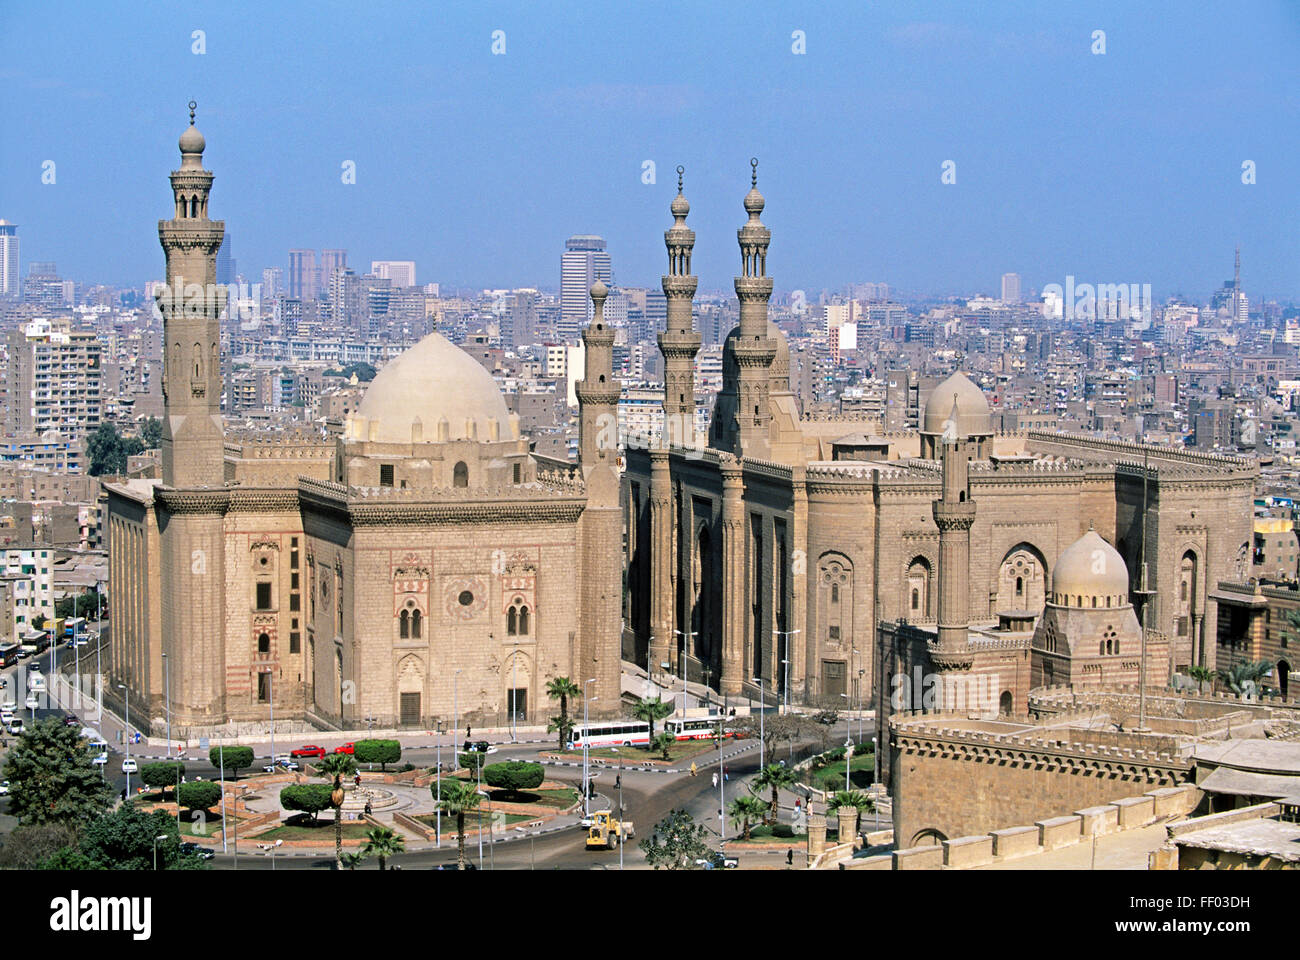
1090,567
679,207
433,380
973,418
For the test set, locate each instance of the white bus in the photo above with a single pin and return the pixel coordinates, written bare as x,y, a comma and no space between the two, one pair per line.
609,733
697,728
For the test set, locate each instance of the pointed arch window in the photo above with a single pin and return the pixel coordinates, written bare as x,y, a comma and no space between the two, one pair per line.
460,475
517,619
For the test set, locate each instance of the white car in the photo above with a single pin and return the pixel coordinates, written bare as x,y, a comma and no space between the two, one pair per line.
129,765
6,716
31,703
16,726
4,787
284,762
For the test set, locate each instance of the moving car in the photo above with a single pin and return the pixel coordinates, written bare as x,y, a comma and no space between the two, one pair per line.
16,726
481,746
4,787
280,763
346,748
716,861
310,750
129,765
197,850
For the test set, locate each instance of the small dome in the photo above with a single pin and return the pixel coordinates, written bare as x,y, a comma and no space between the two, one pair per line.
599,291
680,207
973,418
192,141
754,202
1090,568
433,382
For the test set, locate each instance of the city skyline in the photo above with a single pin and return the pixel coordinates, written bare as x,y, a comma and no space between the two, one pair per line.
847,145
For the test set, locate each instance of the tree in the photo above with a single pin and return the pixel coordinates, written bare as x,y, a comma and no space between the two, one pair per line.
51,777
75,605
106,452
336,766
163,774
458,799
514,776
383,842
125,839
851,798
235,758
743,810
382,752
562,688
651,710
472,761
773,777
310,798
780,729
351,861
663,742
678,841
1244,678
26,847
1202,676
199,795
151,433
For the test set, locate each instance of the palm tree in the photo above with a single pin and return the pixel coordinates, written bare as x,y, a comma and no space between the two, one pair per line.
353,860
743,810
1201,675
663,743
338,766
652,710
383,842
774,777
458,798
850,798
1237,677
562,688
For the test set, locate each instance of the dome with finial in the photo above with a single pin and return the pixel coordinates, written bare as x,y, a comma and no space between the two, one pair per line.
680,208
754,201
599,291
1090,573
191,140
960,400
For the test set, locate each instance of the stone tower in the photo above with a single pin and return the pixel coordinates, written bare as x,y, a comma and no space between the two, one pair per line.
679,342
601,526
743,402
954,513
193,498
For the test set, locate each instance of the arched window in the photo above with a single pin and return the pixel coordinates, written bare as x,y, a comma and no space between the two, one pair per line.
1101,649
1020,587
1182,591
415,624
460,476
517,619
512,623
916,599
263,643
835,593
404,619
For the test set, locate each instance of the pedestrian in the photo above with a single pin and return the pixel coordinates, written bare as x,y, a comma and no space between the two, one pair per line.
368,811
467,732
726,775
693,771
618,782
789,857
715,781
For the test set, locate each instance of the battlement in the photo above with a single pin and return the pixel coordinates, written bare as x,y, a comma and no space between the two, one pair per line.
1158,452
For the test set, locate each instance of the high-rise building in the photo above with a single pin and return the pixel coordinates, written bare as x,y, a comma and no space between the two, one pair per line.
303,278
8,259
272,283
401,272
1010,288
585,260
330,261
52,375
43,286
226,268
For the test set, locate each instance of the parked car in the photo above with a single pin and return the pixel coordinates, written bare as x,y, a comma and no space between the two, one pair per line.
4,683
195,849
4,787
716,861
280,763
480,746
311,750
16,726
129,765
6,715
71,721
346,748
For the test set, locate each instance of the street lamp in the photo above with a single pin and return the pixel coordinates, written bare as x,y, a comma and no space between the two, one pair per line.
586,746
875,770
621,835
270,690
848,760
686,636
161,836
167,670
126,697
455,708
99,642
439,785
762,702
787,634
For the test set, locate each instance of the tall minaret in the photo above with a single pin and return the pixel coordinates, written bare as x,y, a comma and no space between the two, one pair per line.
600,529
193,498
192,444
954,513
679,342
753,349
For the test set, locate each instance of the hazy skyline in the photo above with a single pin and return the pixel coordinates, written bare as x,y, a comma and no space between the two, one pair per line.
1119,168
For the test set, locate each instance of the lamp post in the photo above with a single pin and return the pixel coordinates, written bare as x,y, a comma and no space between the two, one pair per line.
586,748
76,652
161,836
439,786
221,759
514,689
479,765
99,642
762,702
687,637
455,708
270,690
167,670
621,837
875,769
126,697
786,661
848,760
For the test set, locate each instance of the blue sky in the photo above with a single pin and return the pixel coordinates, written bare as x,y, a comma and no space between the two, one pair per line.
1122,167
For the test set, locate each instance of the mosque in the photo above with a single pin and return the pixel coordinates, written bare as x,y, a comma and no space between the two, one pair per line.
421,568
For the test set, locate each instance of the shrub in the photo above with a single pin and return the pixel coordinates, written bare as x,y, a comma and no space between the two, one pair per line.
310,798
514,775
163,774
472,761
236,758
382,752
200,795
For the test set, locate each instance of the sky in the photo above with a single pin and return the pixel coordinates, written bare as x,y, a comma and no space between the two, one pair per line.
1117,167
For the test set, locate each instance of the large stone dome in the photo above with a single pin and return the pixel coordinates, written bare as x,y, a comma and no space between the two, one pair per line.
434,380
1090,569
973,418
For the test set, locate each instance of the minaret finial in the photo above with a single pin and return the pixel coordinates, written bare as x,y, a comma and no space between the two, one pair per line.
192,106
753,171
680,171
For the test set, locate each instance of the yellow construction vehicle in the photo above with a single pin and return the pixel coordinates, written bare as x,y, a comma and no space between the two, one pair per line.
606,833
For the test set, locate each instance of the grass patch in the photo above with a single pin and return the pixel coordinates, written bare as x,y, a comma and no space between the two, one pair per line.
323,829
472,819
765,834
560,799
831,776
213,826
681,750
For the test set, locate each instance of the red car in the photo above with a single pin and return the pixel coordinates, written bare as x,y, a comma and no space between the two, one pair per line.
346,748
308,751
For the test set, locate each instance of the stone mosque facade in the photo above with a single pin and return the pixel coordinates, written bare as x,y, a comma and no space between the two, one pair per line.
827,561
422,566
